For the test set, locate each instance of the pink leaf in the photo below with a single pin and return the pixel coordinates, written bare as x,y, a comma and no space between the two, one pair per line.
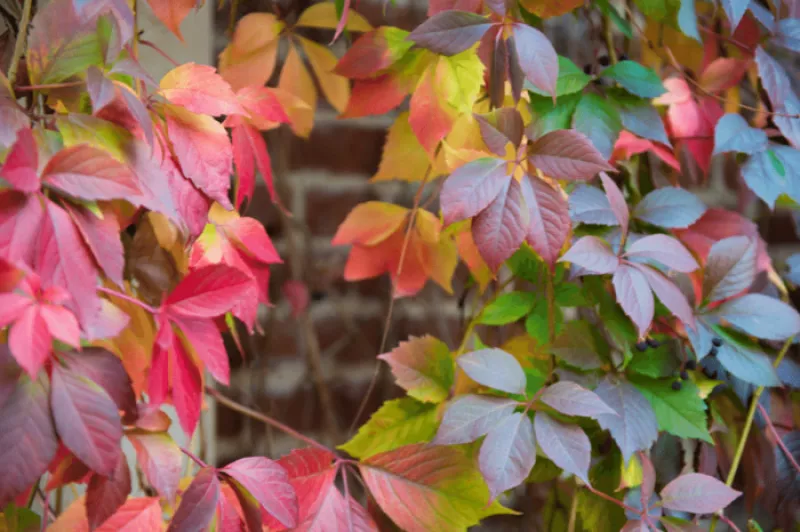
616,200
567,154
208,292
198,504
450,32
669,294
200,89
471,416
663,249
549,218
20,168
30,340
566,445
87,420
135,515
160,460
500,229
697,493
205,340
61,324
508,454
494,368
187,387
311,473
634,296
105,495
592,254
472,188
20,221
537,58
90,173
101,236
574,400
269,483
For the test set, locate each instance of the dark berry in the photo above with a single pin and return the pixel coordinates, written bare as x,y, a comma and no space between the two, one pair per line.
603,60
713,352
587,69
677,386
652,342
684,375
623,57
717,342
641,347
691,365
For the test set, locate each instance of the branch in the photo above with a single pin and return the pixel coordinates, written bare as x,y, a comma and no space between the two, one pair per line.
22,39
249,412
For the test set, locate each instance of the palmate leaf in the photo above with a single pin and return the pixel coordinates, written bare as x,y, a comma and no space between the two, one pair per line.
423,367
429,488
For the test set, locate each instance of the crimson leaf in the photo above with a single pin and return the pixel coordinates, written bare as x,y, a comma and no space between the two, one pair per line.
471,416
499,230
494,368
268,482
697,493
566,445
471,188
566,154
198,504
105,495
450,32
508,453
209,292
575,400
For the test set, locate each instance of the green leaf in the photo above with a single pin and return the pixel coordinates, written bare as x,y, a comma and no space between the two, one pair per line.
508,308
534,380
571,79
537,325
569,295
423,367
611,12
19,519
577,346
599,120
655,363
655,9
548,116
679,412
397,423
598,514
527,265
635,78
544,470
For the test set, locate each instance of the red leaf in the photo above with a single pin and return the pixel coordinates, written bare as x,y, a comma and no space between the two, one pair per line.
20,222
296,293
105,496
566,154
634,296
101,236
566,445
450,32
367,56
27,437
249,146
617,201
66,469
20,168
429,117
593,255
663,249
723,73
135,515
311,474
628,145
471,188
494,368
208,292
205,340
160,460
263,106
549,218
269,483
375,96
499,230
203,150
199,89
105,369
29,339
172,12
508,453
187,387
697,493
198,503
536,57
90,173
87,420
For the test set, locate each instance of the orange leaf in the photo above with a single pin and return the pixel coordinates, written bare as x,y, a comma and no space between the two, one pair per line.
323,15
250,57
335,87
172,12
376,96
370,223
296,80
430,119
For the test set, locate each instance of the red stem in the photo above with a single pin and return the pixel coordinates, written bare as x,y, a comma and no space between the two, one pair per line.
728,522
778,440
66,84
195,459
128,298
619,503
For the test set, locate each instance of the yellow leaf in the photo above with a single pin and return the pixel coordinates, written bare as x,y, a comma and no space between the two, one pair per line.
631,473
323,15
704,384
296,80
335,87
250,57
403,156
458,79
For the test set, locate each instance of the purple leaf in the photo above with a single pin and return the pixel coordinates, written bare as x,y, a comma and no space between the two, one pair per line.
471,416
761,316
506,127
198,504
616,200
566,445
735,10
105,369
664,249
105,495
634,296
471,188
697,493
87,420
508,454
9,374
268,483
574,400
730,268
494,368
450,32
590,206
784,100
635,427
27,438
670,207
500,229
101,89
498,68
516,76
537,58
733,133
669,294
593,255
567,154
648,480
549,218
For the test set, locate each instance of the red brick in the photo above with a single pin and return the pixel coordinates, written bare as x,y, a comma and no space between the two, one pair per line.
338,148
326,209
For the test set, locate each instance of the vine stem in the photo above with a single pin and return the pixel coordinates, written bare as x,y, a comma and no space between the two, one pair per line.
778,440
129,299
748,424
195,459
609,498
233,405
22,39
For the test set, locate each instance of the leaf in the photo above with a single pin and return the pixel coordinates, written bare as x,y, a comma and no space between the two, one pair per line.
634,296
171,13
27,438
665,250
268,482
141,513
250,57
670,207
668,293
733,134
687,19
788,32
500,229
469,417
571,79
593,255
450,32
423,367
761,316
735,10
101,235
730,268
208,292
576,346
507,454
90,174
748,364
430,117
499,128
323,15
574,400
765,174
249,147
409,485
566,154
536,57
508,308
548,116
370,223
590,206
779,89
787,479
635,78
20,169
199,89
494,368
105,496
681,413
596,118
635,427
336,88
616,200
566,445
198,503
641,118
403,156
697,493
397,423
159,459
106,370
471,188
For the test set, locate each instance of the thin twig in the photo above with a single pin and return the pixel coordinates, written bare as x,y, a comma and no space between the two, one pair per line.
778,440
729,523
249,412
22,39
609,498
195,459
46,86
573,513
